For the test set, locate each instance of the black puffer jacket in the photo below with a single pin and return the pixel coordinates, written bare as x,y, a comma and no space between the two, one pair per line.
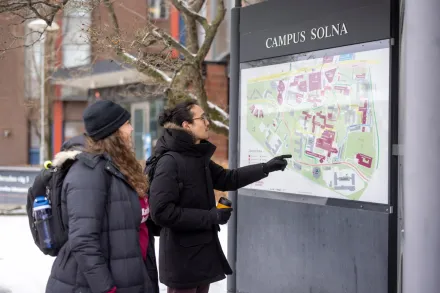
190,253
103,215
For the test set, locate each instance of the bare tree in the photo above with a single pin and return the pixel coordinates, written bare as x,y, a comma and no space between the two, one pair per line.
30,9
180,78
177,78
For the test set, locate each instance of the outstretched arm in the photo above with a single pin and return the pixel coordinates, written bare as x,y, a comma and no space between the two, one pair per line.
233,179
227,180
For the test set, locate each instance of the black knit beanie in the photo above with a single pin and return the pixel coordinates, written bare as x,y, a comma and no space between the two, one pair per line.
103,118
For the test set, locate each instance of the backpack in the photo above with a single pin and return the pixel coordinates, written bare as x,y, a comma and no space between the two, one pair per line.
49,182
150,168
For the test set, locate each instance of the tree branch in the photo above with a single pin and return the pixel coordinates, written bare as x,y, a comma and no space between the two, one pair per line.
35,11
218,110
32,9
196,5
140,65
211,31
169,40
219,127
144,67
113,17
189,12
192,34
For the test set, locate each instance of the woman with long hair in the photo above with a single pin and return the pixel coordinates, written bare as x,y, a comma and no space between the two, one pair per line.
105,208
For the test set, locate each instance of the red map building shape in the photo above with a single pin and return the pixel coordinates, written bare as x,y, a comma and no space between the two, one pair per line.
303,86
315,81
364,160
330,74
326,142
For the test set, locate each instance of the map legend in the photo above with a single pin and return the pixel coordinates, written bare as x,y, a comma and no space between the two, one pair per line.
257,157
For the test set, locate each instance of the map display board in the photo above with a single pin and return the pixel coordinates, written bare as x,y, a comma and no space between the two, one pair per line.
331,113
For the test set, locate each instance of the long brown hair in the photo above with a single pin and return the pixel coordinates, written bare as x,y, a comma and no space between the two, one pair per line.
123,157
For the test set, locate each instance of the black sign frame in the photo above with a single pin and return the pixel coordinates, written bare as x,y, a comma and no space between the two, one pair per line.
311,25
380,20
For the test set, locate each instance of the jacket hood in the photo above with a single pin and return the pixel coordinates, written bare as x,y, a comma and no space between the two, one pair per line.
75,142
176,138
69,150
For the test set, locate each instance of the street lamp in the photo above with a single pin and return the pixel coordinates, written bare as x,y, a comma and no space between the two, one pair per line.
41,26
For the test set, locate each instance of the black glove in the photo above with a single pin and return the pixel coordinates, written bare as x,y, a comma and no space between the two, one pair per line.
276,164
220,216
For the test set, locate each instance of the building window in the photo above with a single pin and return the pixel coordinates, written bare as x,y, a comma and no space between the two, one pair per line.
34,142
156,108
139,121
146,130
158,9
76,41
72,129
34,134
72,93
33,64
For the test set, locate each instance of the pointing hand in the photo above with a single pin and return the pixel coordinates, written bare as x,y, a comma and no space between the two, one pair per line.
276,164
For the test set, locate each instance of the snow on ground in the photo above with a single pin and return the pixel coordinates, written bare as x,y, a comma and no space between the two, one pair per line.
24,269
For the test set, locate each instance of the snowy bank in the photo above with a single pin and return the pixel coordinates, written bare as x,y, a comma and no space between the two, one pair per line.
24,269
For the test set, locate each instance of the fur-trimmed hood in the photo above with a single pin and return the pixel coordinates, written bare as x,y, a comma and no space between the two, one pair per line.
70,149
63,156
170,125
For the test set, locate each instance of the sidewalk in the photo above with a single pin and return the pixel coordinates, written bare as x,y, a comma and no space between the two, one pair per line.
24,269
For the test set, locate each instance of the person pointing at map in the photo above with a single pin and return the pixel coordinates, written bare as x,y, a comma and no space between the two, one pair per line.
182,199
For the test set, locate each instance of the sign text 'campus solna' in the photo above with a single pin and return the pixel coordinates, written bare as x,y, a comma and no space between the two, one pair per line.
316,33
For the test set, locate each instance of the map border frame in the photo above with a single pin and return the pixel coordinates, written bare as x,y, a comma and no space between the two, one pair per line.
371,205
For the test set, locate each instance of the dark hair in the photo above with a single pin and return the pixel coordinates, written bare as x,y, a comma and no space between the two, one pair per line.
179,114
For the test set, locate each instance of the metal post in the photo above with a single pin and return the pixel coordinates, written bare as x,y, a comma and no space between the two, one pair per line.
42,112
421,142
234,77
41,26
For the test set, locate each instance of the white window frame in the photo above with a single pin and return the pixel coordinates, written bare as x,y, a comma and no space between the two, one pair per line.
154,9
34,42
76,41
145,107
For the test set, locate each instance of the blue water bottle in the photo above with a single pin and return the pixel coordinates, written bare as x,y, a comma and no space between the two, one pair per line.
42,212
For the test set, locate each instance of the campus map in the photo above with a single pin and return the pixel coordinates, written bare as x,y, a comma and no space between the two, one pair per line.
330,114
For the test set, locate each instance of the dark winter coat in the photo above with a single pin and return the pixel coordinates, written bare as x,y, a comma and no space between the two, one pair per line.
103,215
190,254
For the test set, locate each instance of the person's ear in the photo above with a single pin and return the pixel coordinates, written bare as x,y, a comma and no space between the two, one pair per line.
185,125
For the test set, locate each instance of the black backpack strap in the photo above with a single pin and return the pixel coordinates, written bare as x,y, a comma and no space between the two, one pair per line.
181,170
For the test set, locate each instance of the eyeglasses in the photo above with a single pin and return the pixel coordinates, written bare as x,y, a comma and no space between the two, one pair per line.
204,117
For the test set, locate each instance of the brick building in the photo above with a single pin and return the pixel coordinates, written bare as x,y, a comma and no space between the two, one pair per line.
14,142
88,72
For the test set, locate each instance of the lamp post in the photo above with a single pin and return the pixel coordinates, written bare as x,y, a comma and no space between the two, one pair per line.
41,26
